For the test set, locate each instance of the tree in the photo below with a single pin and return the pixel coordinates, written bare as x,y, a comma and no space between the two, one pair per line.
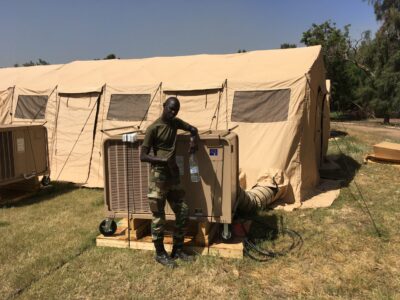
29,64
32,63
42,62
385,58
287,45
110,56
336,49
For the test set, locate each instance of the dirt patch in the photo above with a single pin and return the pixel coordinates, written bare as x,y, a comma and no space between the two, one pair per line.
375,128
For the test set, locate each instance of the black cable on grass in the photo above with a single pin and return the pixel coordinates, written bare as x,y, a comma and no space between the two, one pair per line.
254,250
367,210
360,193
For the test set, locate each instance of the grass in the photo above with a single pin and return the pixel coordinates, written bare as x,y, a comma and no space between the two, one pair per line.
48,247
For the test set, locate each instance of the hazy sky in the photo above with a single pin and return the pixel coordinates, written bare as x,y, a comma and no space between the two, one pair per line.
61,31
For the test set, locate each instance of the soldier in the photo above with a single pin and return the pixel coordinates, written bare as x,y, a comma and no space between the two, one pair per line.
164,179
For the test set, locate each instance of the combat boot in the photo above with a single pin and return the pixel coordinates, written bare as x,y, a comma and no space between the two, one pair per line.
162,256
177,252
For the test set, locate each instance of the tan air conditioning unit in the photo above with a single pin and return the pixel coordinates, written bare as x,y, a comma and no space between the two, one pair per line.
213,199
23,153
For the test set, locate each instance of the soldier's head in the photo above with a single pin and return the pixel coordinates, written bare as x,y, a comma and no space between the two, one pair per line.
171,108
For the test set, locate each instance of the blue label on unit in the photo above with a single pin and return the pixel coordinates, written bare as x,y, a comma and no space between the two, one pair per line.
213,152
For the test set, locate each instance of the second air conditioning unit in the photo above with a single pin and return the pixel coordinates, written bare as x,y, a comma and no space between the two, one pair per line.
23,153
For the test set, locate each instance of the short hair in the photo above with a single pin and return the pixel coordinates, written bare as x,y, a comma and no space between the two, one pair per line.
171,99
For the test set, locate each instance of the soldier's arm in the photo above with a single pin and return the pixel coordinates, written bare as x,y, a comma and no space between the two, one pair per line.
146,157
193,134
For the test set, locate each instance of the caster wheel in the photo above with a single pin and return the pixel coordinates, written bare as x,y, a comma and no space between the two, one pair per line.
226,232
108,227
45,180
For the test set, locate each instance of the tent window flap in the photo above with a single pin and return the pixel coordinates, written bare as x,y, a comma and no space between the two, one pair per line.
260,106
31,107
128,107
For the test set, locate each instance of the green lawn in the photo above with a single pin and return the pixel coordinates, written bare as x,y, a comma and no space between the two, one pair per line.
48,247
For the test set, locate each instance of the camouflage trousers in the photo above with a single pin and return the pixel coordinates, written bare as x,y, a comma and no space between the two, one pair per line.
165,187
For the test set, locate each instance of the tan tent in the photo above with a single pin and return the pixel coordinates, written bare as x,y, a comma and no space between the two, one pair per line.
273,99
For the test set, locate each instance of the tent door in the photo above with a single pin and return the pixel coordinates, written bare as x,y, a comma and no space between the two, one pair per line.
74,137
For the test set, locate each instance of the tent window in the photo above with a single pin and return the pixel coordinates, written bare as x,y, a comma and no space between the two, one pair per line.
261,106
31,107
128,107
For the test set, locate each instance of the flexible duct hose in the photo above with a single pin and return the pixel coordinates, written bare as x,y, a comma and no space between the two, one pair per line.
258,198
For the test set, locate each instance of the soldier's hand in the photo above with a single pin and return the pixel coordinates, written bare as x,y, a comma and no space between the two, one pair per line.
193,147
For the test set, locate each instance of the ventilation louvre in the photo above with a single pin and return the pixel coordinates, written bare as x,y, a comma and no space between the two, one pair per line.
127,177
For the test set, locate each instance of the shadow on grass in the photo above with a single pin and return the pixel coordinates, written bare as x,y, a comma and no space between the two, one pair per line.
44,194
337,133
4,224
266,226
347,171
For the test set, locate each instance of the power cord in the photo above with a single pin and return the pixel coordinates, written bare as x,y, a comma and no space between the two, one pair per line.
253,246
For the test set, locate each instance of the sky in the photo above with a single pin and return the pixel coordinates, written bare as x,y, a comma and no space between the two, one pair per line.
62,31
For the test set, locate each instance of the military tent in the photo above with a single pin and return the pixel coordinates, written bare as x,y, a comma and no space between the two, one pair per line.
273,99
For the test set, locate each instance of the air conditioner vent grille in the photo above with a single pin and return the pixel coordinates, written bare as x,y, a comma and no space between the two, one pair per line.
6,156
128,176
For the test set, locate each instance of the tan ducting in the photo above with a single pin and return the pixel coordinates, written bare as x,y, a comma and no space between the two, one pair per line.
258,198
271,186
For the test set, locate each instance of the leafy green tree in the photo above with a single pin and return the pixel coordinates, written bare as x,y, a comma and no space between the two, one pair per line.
288,45
338,59
384,58
31,63
42,62
110,56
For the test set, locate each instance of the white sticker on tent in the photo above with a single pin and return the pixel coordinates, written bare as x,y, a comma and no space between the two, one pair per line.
181,164
20,145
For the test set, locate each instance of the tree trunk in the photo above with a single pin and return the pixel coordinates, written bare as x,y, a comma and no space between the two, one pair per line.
386,119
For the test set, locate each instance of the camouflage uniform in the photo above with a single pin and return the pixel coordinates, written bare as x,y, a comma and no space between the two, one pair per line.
164,186
164,181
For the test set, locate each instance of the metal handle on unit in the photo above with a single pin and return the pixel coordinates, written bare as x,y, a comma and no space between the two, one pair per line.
118,128
27,177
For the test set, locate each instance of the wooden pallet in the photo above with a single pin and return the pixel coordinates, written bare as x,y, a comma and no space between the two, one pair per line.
387,151
202,243
374,158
